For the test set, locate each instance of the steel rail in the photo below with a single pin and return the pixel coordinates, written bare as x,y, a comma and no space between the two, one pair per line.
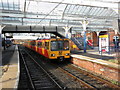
45,71
84,83
28,73
93,76
75,78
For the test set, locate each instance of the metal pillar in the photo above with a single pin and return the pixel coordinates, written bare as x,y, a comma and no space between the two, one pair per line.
85,42
0,37
0,47
118,17
66,31
84,24
70,33
1,27
4,41
98,40
108,42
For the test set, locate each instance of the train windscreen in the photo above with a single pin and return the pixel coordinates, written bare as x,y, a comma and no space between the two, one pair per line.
59,45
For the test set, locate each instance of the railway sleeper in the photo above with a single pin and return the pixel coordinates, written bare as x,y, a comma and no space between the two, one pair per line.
44,85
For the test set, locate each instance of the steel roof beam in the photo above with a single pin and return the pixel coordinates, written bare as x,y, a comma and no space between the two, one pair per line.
91,16
66,17
64,12
25,8
73,3
8,4
2,4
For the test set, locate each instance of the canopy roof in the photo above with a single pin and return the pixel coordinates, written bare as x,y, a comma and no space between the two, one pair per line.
100,14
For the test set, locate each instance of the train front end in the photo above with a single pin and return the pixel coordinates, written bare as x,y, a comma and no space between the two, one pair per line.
59,49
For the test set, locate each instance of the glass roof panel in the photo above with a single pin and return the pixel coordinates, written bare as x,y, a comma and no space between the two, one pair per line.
96,11
9,4
82,10
113,14
99,10
45,12
87,10
71,7
76,9
40,7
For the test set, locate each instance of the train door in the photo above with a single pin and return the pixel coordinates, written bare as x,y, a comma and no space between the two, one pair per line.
39,47
46,49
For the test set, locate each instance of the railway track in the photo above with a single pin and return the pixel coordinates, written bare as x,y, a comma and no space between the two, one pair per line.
24,81
37,76
85,79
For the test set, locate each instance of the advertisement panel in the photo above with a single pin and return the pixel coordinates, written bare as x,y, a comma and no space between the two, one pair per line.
103,43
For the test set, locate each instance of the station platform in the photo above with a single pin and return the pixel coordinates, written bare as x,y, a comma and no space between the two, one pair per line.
96,63
10,67
95,54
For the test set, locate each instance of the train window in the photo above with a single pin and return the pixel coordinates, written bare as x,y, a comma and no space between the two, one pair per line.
59,45
39,44
46,45
33,43
43,45
54,46
66,45
30,43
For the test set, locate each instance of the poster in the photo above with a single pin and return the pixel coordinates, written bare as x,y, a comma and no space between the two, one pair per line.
103,43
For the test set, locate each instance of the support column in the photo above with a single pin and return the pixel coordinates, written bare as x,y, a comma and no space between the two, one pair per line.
0,37
66,31
0,53
98,39
116,22
119,17
84,24
97,33
70,33
1,27
1,46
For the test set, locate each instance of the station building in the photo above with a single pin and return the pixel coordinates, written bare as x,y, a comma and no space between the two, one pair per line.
92,26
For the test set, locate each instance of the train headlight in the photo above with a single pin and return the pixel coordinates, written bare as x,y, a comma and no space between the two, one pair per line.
67,54
52,55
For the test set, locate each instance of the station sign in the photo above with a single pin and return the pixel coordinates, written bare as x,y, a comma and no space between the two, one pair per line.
103,36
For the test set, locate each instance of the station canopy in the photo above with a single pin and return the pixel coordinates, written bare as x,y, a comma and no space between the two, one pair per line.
100,14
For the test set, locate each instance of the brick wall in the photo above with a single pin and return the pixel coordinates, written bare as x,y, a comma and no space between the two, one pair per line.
94,37
105,71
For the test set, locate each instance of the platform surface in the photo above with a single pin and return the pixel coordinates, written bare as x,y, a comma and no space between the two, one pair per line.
95,56
10,67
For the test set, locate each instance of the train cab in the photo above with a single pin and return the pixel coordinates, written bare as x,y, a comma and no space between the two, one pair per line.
59,49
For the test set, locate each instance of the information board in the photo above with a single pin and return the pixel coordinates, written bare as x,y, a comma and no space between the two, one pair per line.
103,43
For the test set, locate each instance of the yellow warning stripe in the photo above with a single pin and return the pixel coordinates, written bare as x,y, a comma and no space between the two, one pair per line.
103,36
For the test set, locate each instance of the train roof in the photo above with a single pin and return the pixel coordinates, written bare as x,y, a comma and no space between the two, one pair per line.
49,39
54,39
